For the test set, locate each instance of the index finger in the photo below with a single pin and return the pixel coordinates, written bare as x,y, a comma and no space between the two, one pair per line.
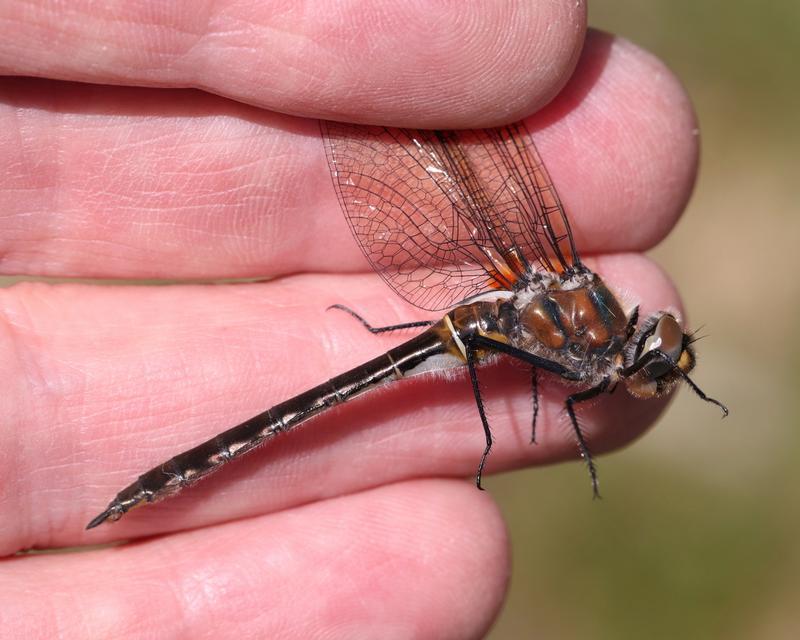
425,64
129,183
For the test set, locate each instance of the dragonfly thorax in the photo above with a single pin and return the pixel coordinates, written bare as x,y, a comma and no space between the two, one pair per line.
580,325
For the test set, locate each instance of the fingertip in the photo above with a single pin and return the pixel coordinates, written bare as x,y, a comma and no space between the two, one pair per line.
622,144
424,558
426,64
480,66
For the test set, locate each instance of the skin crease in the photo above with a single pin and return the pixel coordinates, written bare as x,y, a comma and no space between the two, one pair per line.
328,530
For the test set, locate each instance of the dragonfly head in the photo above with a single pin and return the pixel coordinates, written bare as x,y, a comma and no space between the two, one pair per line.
658,356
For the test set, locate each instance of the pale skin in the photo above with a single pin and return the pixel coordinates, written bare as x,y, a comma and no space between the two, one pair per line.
361,523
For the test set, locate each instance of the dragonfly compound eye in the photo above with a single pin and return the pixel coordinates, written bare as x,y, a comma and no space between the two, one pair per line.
663,334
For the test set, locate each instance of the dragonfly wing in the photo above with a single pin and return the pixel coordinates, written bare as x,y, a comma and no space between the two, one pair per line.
443,216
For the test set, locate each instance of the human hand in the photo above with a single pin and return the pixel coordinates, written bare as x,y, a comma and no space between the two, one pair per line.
353,525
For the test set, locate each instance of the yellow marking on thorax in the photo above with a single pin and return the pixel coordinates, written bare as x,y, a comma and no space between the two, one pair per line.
449,324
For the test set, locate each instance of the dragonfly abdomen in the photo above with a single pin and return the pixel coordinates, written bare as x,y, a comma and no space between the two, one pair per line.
183,470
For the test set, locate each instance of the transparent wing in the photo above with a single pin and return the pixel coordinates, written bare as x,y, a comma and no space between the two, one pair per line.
445,215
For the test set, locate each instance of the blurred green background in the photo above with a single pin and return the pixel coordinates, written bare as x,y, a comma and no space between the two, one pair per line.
699,532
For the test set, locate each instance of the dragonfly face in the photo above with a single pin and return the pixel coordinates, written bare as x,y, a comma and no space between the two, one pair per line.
661,354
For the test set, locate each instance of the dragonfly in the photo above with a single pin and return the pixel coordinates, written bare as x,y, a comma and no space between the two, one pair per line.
469,222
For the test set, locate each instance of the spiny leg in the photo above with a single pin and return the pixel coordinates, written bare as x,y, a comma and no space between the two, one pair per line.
535,391
525,356
692,385
537,362
473,376
702,394
657,354
371,329
583,446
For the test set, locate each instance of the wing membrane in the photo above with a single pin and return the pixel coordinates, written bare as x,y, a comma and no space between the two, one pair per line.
445,215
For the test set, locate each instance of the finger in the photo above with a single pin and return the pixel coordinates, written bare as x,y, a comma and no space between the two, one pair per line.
210,189
105,383
422,64
346,568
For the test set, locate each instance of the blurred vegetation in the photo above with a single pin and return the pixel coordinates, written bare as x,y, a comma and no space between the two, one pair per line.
699,532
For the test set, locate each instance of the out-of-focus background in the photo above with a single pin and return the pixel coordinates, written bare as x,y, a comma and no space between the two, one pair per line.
699,532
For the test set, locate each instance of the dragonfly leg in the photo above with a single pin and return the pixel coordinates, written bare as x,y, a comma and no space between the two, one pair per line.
657,354
583,446
535,393
473,376
391,327
477,341
537,362
520,354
